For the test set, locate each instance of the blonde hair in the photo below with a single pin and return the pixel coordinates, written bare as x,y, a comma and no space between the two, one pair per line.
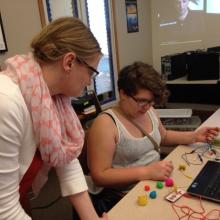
64,35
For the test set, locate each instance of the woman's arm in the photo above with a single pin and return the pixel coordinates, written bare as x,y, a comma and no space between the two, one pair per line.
84,206
12,124
204,134
73,185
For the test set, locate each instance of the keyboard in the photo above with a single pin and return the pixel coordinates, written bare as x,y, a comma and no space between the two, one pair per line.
174,113
207,183
213,187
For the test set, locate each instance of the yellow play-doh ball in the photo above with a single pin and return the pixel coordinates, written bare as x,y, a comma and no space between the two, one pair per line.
142,200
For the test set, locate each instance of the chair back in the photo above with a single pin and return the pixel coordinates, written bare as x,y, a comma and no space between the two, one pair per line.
86,125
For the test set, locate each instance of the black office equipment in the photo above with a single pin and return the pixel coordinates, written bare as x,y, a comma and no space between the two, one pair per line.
207,184
214,49
86,102
203,65
174,66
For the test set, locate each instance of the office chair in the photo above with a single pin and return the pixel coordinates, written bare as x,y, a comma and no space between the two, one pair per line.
87,122
95,99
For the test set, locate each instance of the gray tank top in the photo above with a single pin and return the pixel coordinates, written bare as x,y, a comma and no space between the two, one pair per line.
132,151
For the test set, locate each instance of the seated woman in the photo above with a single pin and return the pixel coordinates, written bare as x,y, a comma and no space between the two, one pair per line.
119,152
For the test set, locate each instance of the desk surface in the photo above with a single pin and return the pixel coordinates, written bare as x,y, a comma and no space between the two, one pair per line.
159,208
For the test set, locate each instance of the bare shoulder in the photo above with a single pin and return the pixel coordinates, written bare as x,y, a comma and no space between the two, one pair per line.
104,120
103,126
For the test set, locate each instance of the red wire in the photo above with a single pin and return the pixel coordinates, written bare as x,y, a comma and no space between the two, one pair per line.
214,210
193,214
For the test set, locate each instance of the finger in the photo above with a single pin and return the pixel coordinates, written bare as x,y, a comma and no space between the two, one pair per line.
170,164
213,136
169,170
164,177
217,129
209,138
214,131
167,175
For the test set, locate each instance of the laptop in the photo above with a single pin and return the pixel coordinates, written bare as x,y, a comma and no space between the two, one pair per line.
207,183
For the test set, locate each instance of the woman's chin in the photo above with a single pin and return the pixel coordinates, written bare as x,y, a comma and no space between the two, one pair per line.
142,112
77,94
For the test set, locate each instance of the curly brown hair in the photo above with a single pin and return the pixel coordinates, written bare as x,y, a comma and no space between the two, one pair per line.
140,75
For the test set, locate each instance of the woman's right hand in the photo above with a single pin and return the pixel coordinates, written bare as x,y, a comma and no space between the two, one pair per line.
160,170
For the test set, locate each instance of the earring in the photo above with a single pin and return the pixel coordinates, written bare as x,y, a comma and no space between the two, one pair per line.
67,72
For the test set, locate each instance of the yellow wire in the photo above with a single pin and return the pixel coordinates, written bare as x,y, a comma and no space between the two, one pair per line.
189,177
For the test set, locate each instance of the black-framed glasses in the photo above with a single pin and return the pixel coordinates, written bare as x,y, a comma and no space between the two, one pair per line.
93,73
143,102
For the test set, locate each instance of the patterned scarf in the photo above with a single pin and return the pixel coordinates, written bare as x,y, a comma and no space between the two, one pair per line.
57,128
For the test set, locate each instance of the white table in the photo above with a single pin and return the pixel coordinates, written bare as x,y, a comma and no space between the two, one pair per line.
159,208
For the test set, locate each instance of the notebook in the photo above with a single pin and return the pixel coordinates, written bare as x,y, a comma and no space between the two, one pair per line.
207,183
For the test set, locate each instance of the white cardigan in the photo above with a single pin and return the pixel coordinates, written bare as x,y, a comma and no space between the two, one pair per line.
17,149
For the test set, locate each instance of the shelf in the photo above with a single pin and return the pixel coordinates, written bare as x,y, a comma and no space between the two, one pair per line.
183,80
195,93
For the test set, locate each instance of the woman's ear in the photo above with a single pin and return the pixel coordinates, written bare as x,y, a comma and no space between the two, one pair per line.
122,94
68,61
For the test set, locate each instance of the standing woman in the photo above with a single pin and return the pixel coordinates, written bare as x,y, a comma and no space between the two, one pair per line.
39,128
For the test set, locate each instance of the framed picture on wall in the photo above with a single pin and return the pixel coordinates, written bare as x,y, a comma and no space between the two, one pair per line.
3,44
132,16
52,9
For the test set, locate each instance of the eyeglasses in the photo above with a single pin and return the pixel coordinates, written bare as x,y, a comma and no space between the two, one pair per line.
93,73
143,102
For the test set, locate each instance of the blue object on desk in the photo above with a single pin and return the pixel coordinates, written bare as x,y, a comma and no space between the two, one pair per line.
153,195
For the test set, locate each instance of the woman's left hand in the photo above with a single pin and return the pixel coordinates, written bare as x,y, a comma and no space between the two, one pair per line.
206,134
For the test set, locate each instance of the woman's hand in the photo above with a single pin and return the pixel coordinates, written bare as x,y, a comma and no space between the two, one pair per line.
160,170
206,134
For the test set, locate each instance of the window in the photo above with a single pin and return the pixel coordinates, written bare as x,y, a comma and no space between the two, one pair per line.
98,19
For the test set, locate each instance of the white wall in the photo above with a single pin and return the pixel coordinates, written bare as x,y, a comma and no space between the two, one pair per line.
198,31
134,46
21,22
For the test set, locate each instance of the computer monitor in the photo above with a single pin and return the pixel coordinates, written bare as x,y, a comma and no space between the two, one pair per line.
214,49
104,83
203,66
174,66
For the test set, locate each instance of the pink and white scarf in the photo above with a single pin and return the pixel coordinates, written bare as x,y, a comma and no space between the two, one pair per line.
57,127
